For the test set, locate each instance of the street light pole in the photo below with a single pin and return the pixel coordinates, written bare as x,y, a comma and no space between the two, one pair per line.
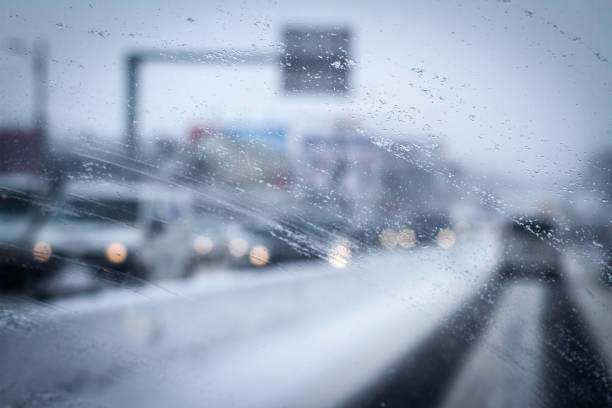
39,55
40,74
132,69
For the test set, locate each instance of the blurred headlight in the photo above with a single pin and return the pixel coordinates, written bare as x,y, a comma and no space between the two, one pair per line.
42,251
116,252
237,247
259,255
406,238
203,245
339,256
446,238
388,238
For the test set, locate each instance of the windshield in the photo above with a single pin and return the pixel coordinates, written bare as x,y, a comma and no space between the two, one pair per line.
103,210
347,203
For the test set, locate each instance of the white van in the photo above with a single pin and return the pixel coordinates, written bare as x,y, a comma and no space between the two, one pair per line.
121,229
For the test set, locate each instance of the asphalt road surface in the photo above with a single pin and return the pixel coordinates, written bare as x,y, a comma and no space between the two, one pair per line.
430,327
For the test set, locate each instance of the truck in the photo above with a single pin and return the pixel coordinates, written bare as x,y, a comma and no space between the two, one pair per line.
374,188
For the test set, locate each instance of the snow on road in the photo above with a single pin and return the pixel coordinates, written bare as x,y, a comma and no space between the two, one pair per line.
302,334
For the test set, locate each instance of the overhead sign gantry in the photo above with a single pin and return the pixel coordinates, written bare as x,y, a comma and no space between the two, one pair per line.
312,59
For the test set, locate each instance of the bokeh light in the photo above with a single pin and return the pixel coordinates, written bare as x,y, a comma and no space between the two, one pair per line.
42,251
388,238
203,245
116,253
446,238
339,255
259,255
238,247
406,238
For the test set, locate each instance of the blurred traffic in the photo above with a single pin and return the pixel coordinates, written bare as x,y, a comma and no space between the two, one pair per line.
99,210
332,215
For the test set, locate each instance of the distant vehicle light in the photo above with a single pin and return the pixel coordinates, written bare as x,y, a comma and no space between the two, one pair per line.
446,238
42,251
388,238
203,245
237,247
116,252
406,238
339,256
259,255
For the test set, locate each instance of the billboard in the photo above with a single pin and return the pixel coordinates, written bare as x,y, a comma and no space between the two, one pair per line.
316,60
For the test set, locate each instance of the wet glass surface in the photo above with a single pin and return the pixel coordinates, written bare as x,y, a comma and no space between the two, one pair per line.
284,204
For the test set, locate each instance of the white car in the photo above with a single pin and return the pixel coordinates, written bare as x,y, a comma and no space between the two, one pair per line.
120,230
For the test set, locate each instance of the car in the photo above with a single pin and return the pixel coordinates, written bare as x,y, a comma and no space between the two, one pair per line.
256,244
208,240
212,228
433,228
21,260
315,235
120,230
530,248
289,238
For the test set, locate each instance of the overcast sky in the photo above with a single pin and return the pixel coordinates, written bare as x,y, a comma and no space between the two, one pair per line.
508,86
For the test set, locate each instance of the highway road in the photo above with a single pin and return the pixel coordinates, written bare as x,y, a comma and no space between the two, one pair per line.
422,328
